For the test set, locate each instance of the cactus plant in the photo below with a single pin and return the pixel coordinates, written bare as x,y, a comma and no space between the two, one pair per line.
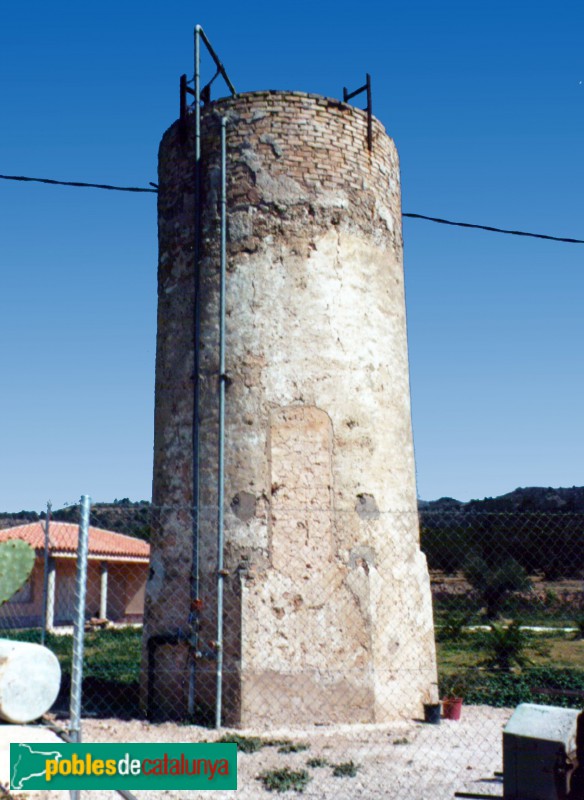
16,563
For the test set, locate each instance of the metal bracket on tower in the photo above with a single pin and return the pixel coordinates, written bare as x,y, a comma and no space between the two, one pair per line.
365,88
201,95
184,106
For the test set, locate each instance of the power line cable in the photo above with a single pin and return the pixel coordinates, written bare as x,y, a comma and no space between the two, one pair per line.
78,184
438,220
494,230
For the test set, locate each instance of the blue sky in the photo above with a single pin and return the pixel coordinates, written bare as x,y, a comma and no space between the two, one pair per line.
486,105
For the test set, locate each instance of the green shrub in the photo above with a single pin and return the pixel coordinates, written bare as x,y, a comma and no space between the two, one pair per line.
245,744
293,747
506,646
345,770
317,762
276,742
284,780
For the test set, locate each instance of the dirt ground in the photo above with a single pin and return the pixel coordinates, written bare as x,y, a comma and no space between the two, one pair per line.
407,760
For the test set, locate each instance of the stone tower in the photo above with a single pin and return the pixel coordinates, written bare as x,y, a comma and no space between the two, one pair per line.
328,612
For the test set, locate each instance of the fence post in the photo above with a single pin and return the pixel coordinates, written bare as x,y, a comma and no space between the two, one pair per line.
46,576
79,626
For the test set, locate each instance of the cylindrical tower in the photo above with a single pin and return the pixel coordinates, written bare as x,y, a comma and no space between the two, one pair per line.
328,611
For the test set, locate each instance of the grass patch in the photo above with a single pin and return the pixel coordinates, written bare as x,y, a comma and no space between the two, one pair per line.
245,744
317,762
552,662
532,609
403,740
498,688
114,654
111,655
452,626
510,689
293,747
276,742
474,648
111,668
563,652
284,780
345,770
251,744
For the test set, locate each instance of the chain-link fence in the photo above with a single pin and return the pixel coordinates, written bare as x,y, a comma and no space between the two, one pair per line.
326,665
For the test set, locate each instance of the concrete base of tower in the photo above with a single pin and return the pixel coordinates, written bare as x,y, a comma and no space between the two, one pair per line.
346,645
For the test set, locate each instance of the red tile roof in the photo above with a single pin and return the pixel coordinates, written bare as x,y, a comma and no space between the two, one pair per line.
64,536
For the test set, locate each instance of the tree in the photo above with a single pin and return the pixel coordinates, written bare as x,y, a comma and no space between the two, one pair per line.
493,582
506,645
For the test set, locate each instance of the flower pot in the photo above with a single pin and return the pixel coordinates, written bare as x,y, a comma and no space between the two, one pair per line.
432,713
451,707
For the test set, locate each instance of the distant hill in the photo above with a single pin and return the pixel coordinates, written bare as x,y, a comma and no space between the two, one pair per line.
540,528
133,518
122,516
9,519
530,499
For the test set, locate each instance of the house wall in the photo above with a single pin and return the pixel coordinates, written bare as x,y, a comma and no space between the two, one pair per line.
126,586
126,590
19,614
92,599
65,586
136,591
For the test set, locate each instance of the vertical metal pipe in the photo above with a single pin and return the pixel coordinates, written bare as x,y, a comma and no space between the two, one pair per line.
197,244
195,578
369,113
79,622
46,573
221,454
198,30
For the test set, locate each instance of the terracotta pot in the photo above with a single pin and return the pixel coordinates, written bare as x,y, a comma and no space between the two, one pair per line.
452,707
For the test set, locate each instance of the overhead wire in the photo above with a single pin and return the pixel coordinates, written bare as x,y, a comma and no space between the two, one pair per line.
78,184
492,229
425,217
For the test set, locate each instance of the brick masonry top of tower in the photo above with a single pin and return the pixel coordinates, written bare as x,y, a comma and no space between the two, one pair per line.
302,149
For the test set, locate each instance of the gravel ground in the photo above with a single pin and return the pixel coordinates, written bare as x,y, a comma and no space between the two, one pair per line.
410,759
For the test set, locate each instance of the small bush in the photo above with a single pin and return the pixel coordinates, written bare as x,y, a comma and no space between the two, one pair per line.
317,762
284,780
291,747
345,770
245,744
276,742
506,646
403,740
